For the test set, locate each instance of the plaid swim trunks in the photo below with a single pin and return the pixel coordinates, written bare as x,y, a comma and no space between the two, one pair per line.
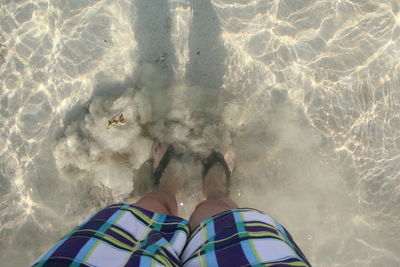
125,235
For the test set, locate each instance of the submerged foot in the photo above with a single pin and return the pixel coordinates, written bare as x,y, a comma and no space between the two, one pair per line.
216,180
166,178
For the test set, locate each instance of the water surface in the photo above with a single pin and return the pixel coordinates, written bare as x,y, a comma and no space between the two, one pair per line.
305,92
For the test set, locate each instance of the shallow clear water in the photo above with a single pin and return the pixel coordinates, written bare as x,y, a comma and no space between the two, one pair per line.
305,92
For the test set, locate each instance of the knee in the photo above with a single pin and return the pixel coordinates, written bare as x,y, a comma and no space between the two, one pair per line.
218,202
159,202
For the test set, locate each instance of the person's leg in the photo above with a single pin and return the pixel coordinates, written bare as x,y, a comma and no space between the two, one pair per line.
159,201
162,200
233,229
214,189
209,208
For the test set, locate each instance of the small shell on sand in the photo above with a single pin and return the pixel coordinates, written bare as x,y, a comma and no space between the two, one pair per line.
118,121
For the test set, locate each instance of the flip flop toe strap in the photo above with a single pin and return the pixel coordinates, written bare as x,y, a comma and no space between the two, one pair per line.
214,158
170,153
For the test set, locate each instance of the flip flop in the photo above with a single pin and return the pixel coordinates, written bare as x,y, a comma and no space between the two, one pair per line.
214,158
169,153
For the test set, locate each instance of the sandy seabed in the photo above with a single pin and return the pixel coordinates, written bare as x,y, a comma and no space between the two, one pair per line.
305,92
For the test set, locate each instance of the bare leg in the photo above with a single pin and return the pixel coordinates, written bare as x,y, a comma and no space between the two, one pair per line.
214,188
162,200
159,201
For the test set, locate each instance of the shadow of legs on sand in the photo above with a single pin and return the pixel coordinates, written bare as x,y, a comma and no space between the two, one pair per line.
151,22
207,53
206,67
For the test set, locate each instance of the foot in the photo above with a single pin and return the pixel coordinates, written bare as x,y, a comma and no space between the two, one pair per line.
169,176
215,181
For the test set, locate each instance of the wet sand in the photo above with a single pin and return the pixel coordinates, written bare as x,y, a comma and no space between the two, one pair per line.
305,92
